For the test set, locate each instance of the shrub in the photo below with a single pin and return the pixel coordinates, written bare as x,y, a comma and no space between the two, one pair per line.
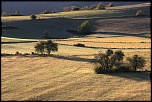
85,28
32,53
79,45
74,8
46,12
100,6
33,17
110,5
139,13
66,9
92,7
136,62
85,8
123,68
17,53
4,14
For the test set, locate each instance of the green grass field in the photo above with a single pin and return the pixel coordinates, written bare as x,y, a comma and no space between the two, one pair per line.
68,75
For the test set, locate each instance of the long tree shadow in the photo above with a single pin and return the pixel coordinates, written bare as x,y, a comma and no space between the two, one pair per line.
143,35
72,58
138,76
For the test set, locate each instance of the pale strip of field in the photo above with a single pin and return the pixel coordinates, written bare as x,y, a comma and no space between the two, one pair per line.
83,52
112,42
113,39
14,18
57,79
8,39
108,45
84,14
130,6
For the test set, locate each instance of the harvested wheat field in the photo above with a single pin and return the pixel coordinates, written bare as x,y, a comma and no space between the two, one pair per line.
46,79
68,74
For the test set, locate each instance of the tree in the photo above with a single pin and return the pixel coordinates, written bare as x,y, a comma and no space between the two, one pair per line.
33,17
92,7
119,55
109,52
4,14
136,62
17,13
46,12
39,47
110,62
74,8
110,5
50,46
85,28
100,6
66,9
139,13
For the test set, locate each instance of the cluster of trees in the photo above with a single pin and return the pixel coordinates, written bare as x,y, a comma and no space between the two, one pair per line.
48,12
99,6
113,62
45,46
17,13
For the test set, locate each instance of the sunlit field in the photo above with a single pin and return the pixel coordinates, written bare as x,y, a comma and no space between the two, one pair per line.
68,74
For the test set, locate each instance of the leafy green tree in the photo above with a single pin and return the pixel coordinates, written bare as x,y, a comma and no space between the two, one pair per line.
85,28
39,47
136,62
50,46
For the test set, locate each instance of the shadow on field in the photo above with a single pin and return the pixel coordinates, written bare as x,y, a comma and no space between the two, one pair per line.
72,58
123,34
138,76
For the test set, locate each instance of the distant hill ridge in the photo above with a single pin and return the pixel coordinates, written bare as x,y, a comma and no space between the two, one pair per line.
27,8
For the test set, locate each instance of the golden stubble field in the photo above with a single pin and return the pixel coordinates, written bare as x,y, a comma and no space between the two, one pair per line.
68,75
68,79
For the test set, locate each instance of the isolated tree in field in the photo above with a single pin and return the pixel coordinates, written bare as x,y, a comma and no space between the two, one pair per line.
136,62
33,17
50,46
85,28
39,47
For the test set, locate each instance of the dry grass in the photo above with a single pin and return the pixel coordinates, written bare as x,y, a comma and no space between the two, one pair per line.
68,74
38,78
113,42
